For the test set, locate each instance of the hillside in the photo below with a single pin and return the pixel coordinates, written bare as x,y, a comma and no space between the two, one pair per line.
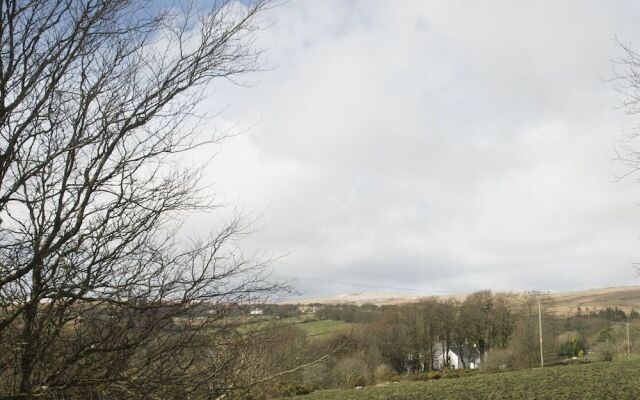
605,380
625,297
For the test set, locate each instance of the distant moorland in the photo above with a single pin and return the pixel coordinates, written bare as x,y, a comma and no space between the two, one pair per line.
566,303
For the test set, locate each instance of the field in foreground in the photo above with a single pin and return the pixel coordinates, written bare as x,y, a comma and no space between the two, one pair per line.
606,380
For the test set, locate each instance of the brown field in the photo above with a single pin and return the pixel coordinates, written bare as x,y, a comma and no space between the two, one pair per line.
624,297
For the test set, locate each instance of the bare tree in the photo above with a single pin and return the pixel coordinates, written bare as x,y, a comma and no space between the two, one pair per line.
98,299
524,342
626,82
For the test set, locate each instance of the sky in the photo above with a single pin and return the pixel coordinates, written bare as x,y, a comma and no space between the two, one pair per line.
433,147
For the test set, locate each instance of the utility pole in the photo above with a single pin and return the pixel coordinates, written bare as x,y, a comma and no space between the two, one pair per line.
540,327
628,342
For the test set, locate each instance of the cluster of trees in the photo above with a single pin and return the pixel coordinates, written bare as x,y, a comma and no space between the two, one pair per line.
393,341
501,328
484,323
483,320
609,313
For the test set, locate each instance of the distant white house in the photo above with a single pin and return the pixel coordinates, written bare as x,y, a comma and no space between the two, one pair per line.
459,357
307,309
256,311
464,357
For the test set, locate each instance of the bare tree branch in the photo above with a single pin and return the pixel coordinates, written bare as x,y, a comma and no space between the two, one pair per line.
98,297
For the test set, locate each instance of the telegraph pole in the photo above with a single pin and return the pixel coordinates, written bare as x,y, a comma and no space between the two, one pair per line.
540,328
628,342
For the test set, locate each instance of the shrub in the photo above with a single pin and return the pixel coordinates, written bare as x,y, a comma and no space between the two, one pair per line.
317,375
570,345
498,359
457,373
434,375
452,373
350,372
384,372
604,351
605,335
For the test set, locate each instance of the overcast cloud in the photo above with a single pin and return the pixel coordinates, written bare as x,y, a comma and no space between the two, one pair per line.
435,146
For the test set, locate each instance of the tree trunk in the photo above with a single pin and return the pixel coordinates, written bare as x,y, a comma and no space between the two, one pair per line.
29,333
461,354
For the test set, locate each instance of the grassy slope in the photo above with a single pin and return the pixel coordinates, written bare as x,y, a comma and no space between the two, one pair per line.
325,327
626,298
613,380
310,326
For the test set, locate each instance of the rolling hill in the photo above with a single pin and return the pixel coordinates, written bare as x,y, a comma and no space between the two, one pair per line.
624,297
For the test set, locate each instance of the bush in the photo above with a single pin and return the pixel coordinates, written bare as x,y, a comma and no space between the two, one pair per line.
457,373
604,351
350,372
384,372
570,345
434,375
317,375
604,335
499,359
452,373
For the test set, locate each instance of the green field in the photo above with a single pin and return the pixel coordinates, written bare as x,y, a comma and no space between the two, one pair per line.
324,327
311,327
602,381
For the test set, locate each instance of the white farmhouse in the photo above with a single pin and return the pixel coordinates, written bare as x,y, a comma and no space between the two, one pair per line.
459,357
307,309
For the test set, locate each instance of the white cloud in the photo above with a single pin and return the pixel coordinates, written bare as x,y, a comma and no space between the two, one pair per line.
436,145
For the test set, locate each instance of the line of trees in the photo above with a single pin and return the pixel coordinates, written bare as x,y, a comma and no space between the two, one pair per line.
483,322
404,341
609,313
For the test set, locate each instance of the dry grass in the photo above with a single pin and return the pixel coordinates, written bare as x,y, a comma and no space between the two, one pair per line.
625,297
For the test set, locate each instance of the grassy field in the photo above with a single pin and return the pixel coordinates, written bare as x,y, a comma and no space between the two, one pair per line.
311,327
612,380
325,327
